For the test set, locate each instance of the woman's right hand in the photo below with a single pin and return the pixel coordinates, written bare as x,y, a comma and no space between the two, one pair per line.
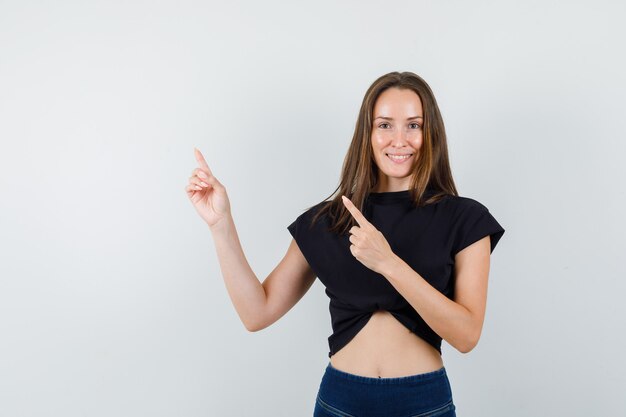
207,194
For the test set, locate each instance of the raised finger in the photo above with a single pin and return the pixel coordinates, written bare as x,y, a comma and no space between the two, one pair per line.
201,161
358,216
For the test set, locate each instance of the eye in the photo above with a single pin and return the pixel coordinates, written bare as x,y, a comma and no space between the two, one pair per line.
380,125
415,124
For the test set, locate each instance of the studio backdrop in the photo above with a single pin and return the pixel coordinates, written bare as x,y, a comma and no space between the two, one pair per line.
112,302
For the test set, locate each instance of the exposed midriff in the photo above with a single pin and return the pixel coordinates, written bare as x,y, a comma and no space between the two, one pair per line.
386,348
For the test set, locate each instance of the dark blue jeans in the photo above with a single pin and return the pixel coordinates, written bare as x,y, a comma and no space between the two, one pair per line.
343,394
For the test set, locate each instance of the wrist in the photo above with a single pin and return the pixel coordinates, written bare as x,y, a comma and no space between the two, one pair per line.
222,225
393,265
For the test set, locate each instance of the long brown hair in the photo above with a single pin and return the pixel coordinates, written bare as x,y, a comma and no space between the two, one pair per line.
359,175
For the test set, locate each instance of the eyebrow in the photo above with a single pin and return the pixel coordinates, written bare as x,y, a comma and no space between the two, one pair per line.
391,118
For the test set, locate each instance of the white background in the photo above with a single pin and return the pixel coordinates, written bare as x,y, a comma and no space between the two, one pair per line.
111,298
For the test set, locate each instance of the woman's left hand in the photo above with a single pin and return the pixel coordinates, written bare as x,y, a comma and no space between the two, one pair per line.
369,245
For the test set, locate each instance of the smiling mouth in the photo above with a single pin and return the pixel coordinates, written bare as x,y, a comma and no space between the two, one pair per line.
398,159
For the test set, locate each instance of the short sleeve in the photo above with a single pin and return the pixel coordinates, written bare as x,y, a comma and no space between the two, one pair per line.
474,223
299,229
294,228
307,238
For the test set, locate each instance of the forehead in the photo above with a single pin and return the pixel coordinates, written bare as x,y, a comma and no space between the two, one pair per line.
398,101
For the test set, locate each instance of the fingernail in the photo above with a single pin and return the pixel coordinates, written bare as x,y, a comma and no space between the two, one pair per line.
202,174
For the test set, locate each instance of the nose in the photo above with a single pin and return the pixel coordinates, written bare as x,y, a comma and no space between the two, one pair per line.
399,137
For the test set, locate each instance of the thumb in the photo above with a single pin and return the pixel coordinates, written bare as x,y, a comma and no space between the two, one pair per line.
213,181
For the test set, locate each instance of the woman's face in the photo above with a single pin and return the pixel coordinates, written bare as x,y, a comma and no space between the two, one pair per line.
397,131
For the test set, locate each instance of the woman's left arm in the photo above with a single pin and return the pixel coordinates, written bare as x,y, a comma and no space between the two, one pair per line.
459,321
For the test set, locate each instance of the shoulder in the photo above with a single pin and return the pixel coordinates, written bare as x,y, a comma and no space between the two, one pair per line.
313,210
471,220
457,205
306,215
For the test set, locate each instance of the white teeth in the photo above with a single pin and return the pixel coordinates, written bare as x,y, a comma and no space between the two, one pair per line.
398,158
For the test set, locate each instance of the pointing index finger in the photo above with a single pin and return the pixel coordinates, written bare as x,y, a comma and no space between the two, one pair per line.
358,216
201,160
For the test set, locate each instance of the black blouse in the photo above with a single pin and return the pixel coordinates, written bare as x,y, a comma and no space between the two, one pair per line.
427,238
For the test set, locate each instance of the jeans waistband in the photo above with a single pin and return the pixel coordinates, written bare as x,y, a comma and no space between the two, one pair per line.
337,373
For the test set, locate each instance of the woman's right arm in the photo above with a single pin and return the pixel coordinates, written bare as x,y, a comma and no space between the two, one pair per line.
257,304
260,304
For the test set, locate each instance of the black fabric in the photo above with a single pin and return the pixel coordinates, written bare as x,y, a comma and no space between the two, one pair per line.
427,238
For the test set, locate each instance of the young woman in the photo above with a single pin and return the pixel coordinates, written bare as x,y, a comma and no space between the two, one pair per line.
404,259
